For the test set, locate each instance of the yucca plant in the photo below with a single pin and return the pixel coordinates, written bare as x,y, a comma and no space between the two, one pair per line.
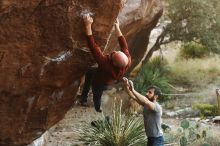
121,130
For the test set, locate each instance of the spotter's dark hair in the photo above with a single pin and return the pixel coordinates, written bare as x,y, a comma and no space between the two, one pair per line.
157,90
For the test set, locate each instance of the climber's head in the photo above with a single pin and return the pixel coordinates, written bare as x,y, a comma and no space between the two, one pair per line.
119,59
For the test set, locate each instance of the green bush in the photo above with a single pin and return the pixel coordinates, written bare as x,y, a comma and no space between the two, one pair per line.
153,73
206,109
121,130
193,50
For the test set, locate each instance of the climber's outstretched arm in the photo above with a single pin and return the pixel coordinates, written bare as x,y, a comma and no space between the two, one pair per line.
117,28
94,48
122,41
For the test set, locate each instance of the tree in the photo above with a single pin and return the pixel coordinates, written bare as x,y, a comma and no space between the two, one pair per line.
190,21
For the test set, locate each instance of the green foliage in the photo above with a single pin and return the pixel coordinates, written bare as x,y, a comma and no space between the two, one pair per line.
194,20
152,73
120,131
206,144
193,50
206,109
185,124
183,141
191,134
160,64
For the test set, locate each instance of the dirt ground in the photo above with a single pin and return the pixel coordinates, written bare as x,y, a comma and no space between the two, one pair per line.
65,132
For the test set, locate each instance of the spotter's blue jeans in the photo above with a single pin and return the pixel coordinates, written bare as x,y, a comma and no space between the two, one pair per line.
155,141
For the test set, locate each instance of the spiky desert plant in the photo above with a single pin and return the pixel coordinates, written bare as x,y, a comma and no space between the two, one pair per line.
120,130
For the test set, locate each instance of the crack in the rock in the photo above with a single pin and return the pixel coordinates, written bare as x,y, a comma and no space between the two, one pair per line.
1,55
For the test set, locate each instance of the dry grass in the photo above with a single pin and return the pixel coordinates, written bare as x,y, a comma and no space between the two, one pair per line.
200,76
195,72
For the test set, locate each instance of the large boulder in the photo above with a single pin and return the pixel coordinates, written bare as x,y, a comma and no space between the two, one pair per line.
43,55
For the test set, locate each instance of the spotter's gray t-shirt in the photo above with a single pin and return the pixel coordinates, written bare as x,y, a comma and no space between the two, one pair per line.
152,121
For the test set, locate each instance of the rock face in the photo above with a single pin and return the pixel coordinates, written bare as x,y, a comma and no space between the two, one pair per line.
43,55
138,18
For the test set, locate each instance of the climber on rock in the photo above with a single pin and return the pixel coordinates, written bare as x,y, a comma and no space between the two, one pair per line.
111,67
